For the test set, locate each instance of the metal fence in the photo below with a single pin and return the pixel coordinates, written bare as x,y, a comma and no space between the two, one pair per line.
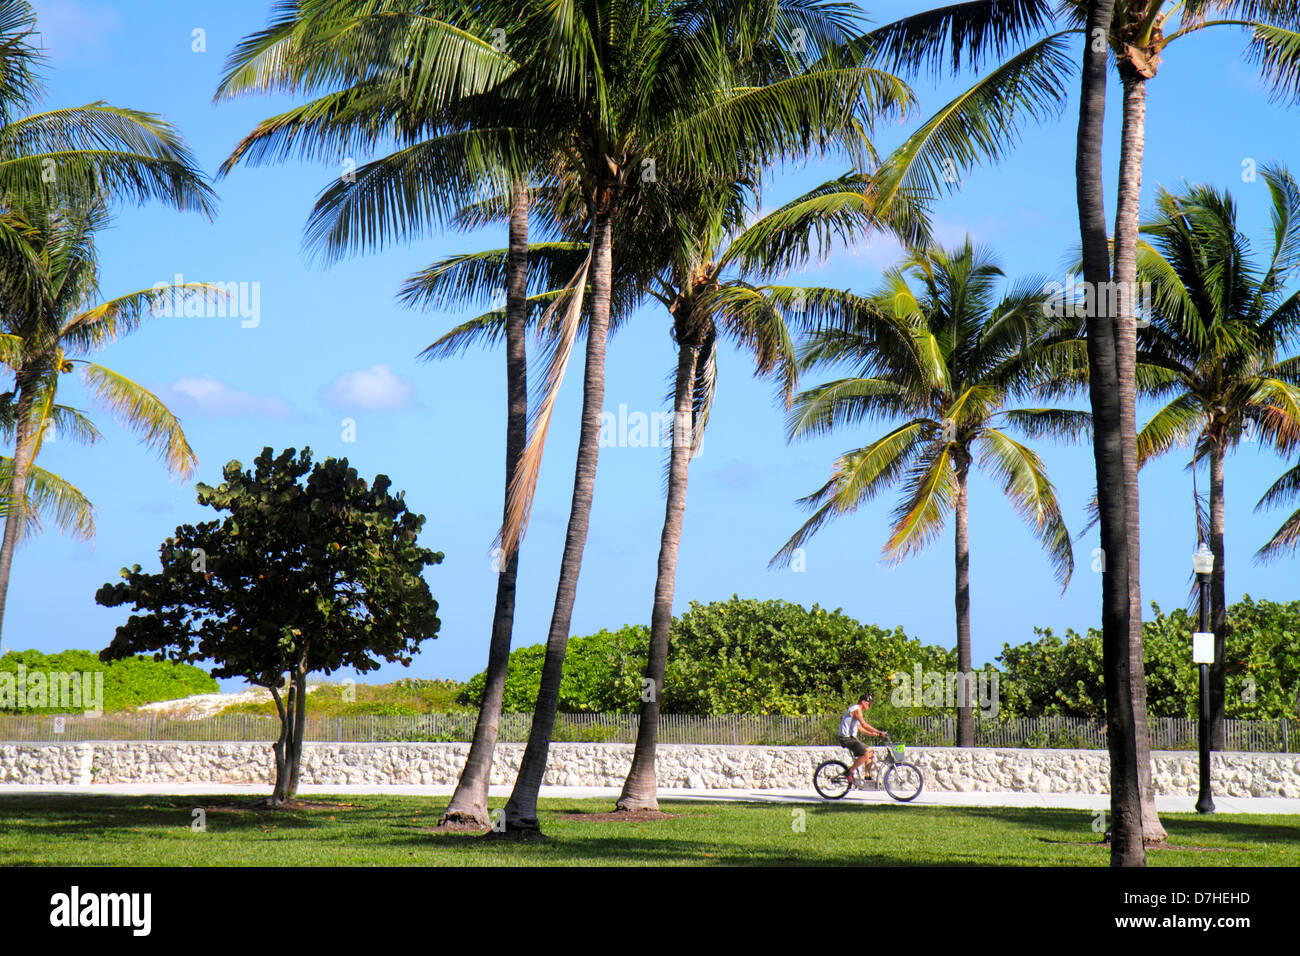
1167,733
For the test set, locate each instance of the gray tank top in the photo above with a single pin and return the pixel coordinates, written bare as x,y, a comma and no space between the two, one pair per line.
849,722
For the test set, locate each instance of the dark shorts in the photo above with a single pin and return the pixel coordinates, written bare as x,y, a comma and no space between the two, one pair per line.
853,745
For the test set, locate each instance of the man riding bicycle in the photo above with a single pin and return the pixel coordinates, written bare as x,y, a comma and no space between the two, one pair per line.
854,719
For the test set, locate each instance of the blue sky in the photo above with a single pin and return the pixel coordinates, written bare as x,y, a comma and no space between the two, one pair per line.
332,344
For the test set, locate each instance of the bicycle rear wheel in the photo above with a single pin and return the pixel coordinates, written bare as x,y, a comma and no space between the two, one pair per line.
831,780
903,781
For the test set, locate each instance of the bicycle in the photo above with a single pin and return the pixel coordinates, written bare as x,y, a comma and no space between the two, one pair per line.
903,781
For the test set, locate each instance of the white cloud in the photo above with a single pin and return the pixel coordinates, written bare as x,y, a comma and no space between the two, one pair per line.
374,389
208,396
75,29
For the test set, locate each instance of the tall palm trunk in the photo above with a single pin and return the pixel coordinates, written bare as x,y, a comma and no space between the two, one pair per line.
1132,146
16,515
1218,597
469,802
521,810
965,710
639,789
1108,448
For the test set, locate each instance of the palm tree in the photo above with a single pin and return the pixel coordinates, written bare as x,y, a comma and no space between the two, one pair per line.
455,280
1132,805
1139,37
708,286
49,160
45,328
936,347
469,801
1219,329
1029,83
58,155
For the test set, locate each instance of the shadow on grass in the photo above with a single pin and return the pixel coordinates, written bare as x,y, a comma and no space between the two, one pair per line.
639,848
69,814
1181,827
702,834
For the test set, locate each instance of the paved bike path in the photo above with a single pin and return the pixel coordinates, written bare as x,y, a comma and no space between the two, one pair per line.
1063,801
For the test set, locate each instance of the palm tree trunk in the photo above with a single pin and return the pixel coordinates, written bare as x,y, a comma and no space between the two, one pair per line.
639,789
1108,448
965,710
1132,146
16,516
1218,597
469,802
521,809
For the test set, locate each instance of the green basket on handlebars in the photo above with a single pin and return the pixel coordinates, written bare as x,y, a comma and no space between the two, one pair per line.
898,750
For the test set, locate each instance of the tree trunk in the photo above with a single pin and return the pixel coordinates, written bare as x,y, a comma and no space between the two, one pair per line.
469,802
521,809
1132,146
1218,597
1108,448
16,517
639,789
299,725
280,747
965,710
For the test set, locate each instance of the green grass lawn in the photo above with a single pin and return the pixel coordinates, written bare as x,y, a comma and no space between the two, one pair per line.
394,831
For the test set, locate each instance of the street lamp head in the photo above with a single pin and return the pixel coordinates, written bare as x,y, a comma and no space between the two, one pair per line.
1203,560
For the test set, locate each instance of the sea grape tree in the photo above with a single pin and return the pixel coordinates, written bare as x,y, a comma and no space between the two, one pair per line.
301,576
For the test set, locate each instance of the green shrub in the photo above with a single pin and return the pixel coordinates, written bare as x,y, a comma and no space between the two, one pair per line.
602,675
728,657
774,657
404,697
1262,663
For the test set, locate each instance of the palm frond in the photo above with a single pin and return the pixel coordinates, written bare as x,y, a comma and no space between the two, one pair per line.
857,477
1065,424
523,486
956,36
50,497
929,492
983,123
145,414
1024,481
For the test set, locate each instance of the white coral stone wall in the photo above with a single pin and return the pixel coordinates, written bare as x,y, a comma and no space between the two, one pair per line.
605,765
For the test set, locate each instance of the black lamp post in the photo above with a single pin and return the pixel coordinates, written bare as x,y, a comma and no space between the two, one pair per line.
1203,655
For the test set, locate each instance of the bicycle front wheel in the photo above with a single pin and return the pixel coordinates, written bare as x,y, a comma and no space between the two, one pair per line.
831,780
903,781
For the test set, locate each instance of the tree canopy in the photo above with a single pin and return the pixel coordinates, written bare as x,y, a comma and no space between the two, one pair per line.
301,576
